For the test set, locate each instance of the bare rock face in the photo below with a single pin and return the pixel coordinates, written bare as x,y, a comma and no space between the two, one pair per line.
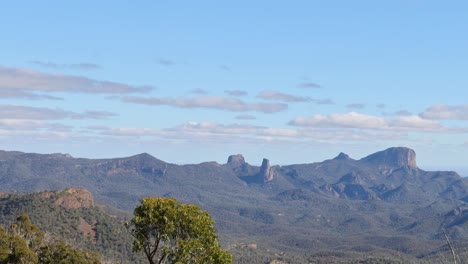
71,198
266,172
393,157
410,158
86,228
236,161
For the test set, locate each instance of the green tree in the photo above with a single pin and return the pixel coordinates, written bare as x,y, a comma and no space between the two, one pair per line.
23,243
60,253
171,232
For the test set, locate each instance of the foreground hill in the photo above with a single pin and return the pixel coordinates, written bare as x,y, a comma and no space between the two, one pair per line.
71,215
380,203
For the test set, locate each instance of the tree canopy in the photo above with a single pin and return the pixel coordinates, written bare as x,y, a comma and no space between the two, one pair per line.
25,243
171,232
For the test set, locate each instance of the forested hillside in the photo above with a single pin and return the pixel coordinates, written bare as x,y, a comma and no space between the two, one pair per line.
382,204
72,216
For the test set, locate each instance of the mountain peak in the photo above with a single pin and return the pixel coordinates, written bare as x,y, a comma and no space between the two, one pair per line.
144,155
236,160
342,156
393,157
143,160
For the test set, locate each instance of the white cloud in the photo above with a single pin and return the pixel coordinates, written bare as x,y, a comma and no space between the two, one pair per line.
215,128
128,131
403,113
245,117
199,91
202,132
14,112
22,126
280,132
441,111
324,102
412,121
356,106
351,119
278,96
211,102
165,62
73,66
33,113
362,121
381,106
350,135
33,81
310,85
30,95
22,123
236,92
34,134
92,115
220,133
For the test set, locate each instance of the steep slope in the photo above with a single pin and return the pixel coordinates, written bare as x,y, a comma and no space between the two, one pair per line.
72,216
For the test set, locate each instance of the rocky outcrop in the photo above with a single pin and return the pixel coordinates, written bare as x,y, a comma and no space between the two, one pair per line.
71,198
236,161
392,158
251,174
266,172
239,166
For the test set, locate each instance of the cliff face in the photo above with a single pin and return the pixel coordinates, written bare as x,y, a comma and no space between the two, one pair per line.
393,157
266,172
236,161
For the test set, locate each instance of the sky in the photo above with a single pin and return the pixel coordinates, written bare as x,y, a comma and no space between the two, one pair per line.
193,81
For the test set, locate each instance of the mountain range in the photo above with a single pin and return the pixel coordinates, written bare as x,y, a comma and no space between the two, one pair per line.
381,203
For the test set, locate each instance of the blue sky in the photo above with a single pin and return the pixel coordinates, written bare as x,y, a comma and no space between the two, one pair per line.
193,81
